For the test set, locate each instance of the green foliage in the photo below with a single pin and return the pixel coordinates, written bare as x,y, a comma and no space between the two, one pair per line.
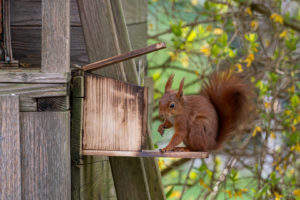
257,42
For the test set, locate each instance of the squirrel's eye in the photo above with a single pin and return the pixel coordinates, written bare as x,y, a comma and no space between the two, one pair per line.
172,105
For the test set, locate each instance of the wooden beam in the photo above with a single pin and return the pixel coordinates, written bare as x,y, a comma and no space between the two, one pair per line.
124,56
45,138
33,77
147,153
55,36
10,150
34,90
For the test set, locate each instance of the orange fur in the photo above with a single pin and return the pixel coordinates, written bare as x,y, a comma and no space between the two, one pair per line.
203,122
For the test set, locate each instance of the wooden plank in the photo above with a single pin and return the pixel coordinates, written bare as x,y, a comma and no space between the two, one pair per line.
33,77
26,46
45,155
124,56
10,150
55,36
146,153
29,13
113,114
34,90
135,11
153,175
27,104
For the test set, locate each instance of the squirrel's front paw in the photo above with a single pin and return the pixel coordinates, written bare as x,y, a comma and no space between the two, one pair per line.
161,129
165,150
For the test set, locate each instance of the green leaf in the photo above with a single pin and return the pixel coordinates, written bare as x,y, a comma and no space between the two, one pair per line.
170,192
223,39
295,100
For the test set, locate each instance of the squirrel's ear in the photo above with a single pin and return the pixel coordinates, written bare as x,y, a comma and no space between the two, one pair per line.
169,83
180,90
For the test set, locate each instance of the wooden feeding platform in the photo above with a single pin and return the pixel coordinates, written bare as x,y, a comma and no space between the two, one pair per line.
115,113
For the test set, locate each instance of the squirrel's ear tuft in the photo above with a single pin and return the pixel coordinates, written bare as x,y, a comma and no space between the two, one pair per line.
169,83
180,90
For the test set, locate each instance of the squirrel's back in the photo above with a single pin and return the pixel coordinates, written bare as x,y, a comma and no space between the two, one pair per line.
231,97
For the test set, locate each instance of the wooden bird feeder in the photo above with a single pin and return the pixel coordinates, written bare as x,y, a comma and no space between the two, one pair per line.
115,114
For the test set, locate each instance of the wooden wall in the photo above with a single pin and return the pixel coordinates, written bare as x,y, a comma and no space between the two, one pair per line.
26,21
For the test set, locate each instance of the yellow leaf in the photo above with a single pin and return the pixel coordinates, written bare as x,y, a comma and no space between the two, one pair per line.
161,163
194,2
191,36
173,56
283,34
209,28
218,31
291,89
205,49
197,73
175,194
228,193
254,24
277,196
244,190
249,59
238,194
297,192
296,147
293,128
193,175
239,67
184,61
248,11
273,135
291,172
267,43
287,112
267,105
257,129
276,18
203,184
156,76
150,26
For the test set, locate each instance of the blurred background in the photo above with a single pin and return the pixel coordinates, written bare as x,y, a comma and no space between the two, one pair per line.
259,40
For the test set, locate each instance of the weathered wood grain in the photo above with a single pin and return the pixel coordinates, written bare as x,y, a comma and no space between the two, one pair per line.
151,165
55,36
26,44
123,57
7,76
45,155
113,114
10,150
135,11
29,13
34,90
146,153
27,104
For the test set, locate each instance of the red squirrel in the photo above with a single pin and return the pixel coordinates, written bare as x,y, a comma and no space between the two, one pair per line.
203,122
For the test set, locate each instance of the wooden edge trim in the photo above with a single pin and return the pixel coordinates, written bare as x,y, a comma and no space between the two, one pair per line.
145,153
124,56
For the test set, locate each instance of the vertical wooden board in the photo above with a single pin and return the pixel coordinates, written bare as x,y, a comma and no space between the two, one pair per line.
10,160
113,114
135,11
45,155
135,179
55,36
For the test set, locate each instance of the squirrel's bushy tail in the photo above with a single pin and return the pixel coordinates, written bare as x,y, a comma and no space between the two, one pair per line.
231,97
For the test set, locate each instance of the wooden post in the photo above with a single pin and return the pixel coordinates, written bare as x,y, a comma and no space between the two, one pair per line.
55,36
10,160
